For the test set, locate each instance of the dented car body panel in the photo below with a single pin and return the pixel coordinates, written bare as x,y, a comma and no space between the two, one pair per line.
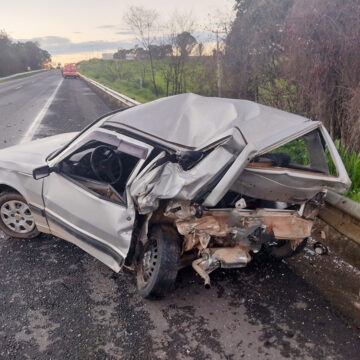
231,176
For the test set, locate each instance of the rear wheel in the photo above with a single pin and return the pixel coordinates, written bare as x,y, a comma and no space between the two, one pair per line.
158,262
16,219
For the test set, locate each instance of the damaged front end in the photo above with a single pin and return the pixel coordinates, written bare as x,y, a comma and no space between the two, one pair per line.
238,198
227,238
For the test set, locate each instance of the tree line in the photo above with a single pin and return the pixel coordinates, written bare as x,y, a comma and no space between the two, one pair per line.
301,56
19,56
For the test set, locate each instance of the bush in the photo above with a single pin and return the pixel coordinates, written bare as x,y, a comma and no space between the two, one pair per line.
351,162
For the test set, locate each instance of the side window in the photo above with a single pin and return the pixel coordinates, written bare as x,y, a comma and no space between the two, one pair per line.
306,153
104,168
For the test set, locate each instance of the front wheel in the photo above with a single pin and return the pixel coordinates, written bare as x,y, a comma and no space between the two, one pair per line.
158,262
16,219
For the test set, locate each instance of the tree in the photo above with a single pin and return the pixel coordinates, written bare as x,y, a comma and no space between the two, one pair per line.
185,43
160,51
179,37
253,52
121,54
323,47
301,56
200,49
17,57
143,21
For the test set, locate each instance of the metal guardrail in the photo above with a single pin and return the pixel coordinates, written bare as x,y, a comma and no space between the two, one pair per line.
344,204
120,97
343,214
19,74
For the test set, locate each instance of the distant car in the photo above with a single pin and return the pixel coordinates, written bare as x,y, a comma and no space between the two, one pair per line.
178,181
58,66
69,71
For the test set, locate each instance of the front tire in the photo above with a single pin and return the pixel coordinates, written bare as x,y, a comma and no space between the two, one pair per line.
158,262
16,219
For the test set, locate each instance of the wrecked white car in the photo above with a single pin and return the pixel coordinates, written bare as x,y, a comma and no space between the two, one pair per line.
178,181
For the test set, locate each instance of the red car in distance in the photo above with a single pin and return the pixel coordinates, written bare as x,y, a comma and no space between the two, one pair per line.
69,71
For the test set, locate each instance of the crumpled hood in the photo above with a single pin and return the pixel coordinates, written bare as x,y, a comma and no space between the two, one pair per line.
28,156
195,121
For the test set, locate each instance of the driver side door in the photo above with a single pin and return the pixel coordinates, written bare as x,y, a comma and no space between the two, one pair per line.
88,212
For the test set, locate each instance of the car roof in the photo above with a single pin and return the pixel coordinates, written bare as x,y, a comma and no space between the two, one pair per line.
193,121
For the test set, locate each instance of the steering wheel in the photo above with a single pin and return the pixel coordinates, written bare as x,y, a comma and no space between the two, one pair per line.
106,165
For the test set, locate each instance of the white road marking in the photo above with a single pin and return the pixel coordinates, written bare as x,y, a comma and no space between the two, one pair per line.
31,130
18,87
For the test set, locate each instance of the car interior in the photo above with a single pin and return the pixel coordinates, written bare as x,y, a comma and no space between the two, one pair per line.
307,154
101,168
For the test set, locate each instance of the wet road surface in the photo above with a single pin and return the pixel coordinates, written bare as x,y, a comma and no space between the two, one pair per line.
57,302
21,101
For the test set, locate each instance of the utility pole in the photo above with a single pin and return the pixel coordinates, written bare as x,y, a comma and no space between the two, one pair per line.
218,64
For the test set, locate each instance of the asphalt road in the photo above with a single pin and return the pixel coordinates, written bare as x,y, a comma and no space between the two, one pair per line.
22,101
57,302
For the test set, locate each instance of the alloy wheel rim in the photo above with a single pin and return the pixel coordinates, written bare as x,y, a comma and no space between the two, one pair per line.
17,217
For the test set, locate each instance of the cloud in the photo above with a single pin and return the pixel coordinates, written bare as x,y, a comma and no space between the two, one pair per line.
125,32
105,27
56,45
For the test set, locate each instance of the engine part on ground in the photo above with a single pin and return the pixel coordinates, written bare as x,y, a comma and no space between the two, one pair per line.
196,266
213,258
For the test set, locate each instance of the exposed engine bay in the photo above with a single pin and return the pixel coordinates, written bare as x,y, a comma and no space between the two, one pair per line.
228,237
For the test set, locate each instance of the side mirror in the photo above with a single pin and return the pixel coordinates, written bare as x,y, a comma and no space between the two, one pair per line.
42,172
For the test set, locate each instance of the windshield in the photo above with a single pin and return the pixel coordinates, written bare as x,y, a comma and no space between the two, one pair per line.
307,153
92,126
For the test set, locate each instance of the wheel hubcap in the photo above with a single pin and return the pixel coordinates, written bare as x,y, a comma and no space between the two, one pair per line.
149,261
16,215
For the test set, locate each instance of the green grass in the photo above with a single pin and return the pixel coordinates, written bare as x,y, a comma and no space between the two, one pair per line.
297,151
351,162
119,75
123,76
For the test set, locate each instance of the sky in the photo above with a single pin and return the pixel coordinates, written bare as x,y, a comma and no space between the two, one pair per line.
72,30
